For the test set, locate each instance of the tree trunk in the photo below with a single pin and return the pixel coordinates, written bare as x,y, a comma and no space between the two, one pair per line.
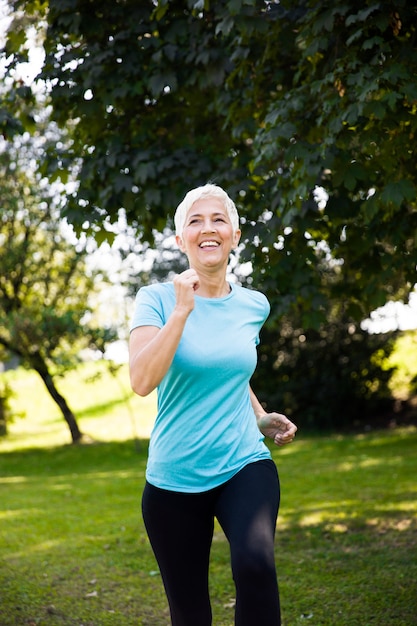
3,421
40,366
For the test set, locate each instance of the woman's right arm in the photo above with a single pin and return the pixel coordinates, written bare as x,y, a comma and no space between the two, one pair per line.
152,349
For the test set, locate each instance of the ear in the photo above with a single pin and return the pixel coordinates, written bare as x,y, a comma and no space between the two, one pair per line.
180,243
236,239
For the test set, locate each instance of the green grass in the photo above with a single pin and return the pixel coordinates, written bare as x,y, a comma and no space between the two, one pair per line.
105,407
73,549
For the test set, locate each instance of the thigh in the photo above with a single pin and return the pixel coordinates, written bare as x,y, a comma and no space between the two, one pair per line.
247,507
180,529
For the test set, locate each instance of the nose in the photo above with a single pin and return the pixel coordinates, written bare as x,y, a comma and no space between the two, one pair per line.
208,227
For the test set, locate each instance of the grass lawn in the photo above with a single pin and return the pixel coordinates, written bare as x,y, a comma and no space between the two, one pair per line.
74,552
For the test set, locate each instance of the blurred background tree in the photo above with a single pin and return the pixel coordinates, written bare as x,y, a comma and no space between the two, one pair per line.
45,287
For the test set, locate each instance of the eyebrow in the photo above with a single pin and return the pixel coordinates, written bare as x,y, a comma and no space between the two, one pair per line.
215,214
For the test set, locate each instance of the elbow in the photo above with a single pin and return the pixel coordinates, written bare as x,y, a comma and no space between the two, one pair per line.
141,387
141,392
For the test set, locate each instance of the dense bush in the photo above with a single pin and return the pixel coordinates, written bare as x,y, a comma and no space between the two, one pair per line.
330,378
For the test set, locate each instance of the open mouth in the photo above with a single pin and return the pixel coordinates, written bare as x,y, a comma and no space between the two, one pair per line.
209,244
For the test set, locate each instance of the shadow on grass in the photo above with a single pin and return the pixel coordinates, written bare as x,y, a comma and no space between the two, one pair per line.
73,459
98,410
93,411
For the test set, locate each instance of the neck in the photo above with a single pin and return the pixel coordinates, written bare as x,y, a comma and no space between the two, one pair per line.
213,286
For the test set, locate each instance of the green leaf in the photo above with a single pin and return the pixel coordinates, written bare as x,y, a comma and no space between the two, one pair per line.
398,191
349,180
373,42
370,208
286,130
356,35
361,16
375,109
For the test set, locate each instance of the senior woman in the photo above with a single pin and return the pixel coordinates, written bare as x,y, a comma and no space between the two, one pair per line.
194,340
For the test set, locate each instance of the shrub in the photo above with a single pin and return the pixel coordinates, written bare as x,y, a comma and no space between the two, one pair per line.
328,378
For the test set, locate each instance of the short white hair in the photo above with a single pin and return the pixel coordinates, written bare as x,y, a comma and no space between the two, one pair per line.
206,191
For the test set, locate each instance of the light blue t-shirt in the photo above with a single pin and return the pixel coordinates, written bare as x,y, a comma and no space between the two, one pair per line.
205,430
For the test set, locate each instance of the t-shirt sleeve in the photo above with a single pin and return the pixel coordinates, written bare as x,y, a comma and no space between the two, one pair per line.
266,309
148,309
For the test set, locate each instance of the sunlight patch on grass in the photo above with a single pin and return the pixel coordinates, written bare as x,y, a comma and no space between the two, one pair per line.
60,486
336,527
411,505
312,519
375,439
289,449
382,525
327,514
36,548
111,475
9,515
13,479
348,466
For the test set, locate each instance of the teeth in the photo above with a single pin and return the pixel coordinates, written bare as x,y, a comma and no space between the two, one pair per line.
208,243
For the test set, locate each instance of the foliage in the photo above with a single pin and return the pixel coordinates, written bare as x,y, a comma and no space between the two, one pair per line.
332,378
44,285
152,264
348,124
270,100
404,361
5,410
74,550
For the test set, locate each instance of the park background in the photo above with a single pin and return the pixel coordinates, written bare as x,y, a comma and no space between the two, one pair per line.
306,115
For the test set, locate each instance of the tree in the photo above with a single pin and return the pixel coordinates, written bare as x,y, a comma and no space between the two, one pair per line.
273,100
44,286
348,124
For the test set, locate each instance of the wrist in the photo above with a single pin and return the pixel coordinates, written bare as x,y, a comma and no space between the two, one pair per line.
181,312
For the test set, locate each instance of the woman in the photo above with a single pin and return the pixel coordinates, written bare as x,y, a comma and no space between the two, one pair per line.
194,339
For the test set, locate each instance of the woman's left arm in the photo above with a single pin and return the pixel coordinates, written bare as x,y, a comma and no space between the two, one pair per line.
276,426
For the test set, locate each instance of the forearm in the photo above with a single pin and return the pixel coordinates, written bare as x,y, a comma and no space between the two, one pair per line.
151,357
276,426
258,409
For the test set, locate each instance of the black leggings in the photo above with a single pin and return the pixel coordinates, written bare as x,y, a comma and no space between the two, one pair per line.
180,529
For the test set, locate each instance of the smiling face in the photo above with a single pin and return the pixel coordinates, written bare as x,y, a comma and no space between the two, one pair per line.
208,236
